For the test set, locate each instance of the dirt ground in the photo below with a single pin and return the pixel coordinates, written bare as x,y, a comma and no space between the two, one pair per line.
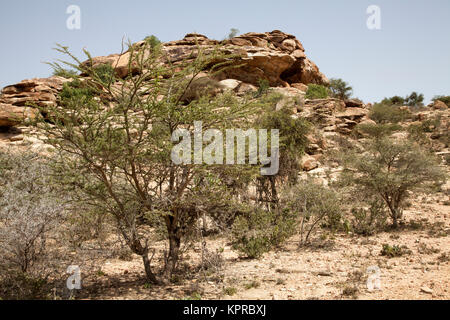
333,268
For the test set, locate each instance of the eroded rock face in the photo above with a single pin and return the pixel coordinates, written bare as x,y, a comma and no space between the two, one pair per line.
438,105
274,56
11,115
277,57
17,101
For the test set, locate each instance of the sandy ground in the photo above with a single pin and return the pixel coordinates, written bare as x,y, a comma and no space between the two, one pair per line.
334,269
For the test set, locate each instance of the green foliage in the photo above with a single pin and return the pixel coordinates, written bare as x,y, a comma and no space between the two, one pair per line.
230,291
413,100
114,148
194,296
385,113
316,91
23,286
65,73
444,99
153,41
263,87
390,170
315,204
293,141
394,251
418,131
252,284
378,130
394,101
104,73
233,33
76,91
340,89
258,232
369,221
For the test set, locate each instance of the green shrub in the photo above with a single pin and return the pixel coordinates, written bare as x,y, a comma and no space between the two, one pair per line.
417,132
378,130
368,221
390,170
444,99
75,90
413,100
257,233
230,291
153,41
105,73
394,251
340,89
65,73
194,296
233,33
263,87
316,91
23,286
252,284
394,101
316,205
385,113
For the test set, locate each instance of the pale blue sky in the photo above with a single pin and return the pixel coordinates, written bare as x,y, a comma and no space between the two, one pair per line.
411,52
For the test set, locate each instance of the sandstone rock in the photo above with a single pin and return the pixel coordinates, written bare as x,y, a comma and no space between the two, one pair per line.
244,88
439,105
367,121
308,163
352,113
300,86
230,84
11,115
41,92
354,103
273,56
118,61
427,290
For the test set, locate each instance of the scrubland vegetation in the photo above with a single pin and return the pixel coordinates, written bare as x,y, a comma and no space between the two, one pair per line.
107,183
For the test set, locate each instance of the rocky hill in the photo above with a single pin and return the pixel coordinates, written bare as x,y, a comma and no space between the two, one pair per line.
277,57
280,60
274,56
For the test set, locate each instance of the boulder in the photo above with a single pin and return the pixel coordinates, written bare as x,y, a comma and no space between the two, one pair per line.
40,92
354,103
11,115
300,86
274,56
308,163
230,84
439,105
352,113
17,101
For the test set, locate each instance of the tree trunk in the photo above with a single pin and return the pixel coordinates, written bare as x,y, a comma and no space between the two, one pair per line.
148,270
394,223
174,248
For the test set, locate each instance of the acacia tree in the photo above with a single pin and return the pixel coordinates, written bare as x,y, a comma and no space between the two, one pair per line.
293,142
113,143
340,89
390,170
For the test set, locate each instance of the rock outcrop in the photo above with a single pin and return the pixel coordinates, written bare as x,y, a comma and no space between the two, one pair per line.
277,57
17,101
11,116
274,56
